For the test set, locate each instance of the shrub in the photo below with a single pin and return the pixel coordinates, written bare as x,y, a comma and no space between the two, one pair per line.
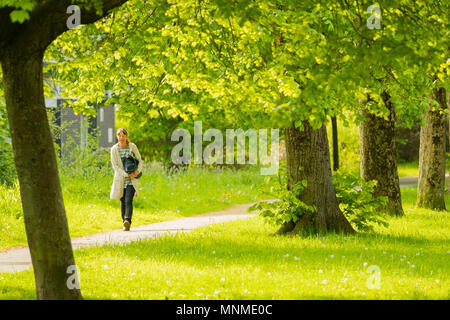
286,205
353,194
355,199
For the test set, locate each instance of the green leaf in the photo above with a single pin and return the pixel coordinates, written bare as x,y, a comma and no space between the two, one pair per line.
19,16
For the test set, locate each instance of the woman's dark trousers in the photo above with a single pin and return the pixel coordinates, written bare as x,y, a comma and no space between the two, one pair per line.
126,203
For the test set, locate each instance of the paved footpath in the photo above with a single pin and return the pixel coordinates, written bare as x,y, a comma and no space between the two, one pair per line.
14,260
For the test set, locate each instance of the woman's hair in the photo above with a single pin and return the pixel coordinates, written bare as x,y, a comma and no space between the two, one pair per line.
125,132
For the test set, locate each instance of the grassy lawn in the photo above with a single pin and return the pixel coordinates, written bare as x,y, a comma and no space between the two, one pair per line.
89,209
405,169
241,260
408,169
162,197
411,169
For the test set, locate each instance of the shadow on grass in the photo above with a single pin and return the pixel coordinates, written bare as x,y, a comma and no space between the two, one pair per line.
203,251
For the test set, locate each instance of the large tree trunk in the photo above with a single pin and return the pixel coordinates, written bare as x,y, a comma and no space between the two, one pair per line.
378,160
431,186
308,157
22,46
40,190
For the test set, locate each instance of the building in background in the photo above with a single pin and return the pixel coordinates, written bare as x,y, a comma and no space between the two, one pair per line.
74,128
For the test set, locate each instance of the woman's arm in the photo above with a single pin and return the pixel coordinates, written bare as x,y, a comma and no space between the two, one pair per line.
117,167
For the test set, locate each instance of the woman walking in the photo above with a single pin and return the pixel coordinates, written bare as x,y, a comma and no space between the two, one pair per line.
125,186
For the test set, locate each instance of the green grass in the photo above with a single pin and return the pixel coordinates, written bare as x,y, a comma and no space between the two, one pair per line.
408,169
241,260
404,169
411,169
162,197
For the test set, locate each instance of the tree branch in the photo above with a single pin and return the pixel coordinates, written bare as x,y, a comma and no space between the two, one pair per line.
48,20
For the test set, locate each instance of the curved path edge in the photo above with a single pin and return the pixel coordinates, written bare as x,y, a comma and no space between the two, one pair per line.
19,259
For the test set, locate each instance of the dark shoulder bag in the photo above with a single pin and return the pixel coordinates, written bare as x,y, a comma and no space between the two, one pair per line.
130,165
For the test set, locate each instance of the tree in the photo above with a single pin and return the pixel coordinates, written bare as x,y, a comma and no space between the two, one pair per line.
393,63
379,156
277,63
236,65
431,185
26,29
308,158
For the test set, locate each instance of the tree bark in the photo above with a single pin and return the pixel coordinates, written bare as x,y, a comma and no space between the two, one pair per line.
431,185
44,214
378,157
308,157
